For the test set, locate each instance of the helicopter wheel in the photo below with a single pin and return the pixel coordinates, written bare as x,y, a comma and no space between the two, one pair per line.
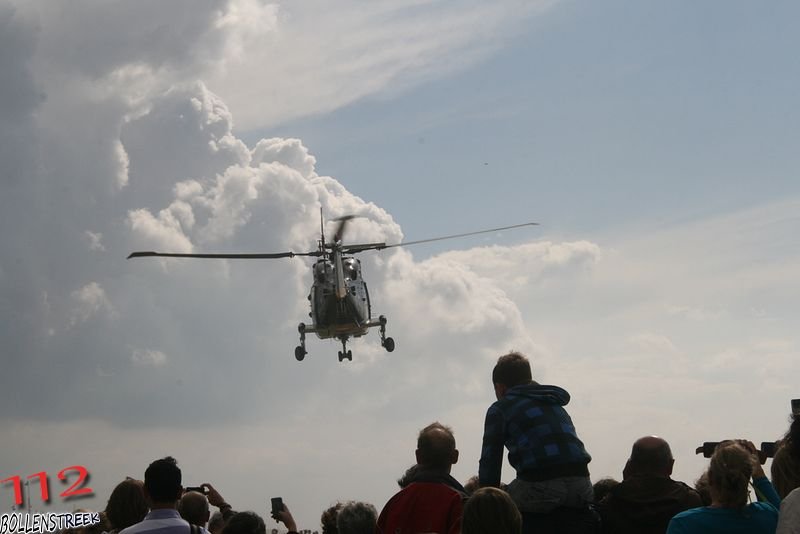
341,356
349,355
299,353
388,344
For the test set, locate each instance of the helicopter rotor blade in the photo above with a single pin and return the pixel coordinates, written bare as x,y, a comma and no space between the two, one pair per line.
337,236
380,246
353,249
268,256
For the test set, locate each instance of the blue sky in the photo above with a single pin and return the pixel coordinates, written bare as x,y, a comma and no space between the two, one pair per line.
653,142
597,116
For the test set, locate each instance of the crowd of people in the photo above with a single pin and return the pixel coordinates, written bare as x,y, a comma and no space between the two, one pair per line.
550,493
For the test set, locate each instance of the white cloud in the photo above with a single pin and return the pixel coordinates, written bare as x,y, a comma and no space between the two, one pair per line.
162,233
653,343
108,130
148,358
88,301
293,65
694,313
95,240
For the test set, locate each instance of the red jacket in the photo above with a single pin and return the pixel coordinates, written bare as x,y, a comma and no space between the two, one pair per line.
424,506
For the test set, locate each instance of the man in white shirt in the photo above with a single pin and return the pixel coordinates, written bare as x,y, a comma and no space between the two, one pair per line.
162,488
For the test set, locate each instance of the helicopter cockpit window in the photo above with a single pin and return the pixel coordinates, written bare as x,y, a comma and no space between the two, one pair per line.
320,271
350,270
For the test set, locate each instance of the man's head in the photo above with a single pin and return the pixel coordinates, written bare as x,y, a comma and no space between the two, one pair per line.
328,519
512,369
357,518
193,507
650,455
216,522
162,482
127,504
245,523
491,510
436,447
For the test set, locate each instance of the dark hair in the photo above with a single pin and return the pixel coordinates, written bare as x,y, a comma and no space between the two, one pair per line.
603,487
786,464
216,522
245,523
328,519
729,474
357,518
126,505
491,511
792,437
512,370
162,480
435,446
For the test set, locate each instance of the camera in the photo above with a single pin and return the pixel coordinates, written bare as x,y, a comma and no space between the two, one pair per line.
795,407
767,450
708,448
198,489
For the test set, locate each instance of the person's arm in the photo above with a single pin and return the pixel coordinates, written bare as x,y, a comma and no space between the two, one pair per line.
763,488
765,491
215,499
491,462
285,517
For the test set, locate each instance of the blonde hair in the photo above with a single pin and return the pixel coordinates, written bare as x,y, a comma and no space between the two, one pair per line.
729,474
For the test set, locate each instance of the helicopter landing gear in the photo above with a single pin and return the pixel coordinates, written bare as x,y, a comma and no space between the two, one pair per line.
300,350
344,353
386,342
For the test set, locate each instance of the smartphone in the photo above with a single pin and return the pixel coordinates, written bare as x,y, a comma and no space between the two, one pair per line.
795,406
277,505
198,489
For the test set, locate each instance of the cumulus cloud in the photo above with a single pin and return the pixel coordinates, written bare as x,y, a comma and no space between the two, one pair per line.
94,240
362,49
531,263
88,301
148,358
110,144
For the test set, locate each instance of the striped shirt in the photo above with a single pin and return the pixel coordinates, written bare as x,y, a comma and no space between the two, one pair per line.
161,521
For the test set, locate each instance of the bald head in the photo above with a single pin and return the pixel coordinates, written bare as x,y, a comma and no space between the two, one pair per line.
436,447
193,507
650,455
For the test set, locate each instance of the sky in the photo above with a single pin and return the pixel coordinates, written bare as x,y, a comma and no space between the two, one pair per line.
654,143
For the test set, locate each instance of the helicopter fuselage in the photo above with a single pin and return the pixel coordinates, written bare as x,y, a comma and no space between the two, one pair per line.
339,299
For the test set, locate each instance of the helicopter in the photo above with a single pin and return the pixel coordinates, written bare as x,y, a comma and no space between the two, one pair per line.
340,303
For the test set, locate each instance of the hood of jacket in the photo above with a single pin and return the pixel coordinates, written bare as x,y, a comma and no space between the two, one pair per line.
541,393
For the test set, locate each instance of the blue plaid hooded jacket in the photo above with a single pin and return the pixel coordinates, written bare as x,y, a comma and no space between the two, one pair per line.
531,422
